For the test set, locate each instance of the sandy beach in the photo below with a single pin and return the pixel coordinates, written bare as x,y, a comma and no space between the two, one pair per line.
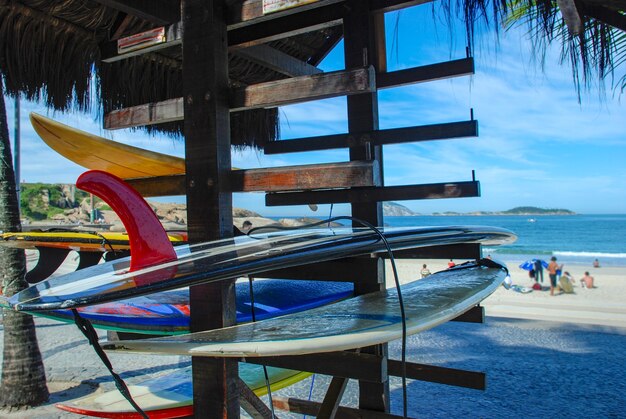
544,355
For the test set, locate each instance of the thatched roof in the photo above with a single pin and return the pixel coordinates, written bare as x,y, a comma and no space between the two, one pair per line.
51,52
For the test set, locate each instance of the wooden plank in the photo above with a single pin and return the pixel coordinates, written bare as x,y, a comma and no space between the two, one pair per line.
262,95
209,206
314,176
307,407
606,15
377,194
431,132
148,114
251,403
438,71
304,88
159,186
337,270
453,251
287,178
473,315
250,12
277,61
173,37
159,12
330,404
344,364
440,375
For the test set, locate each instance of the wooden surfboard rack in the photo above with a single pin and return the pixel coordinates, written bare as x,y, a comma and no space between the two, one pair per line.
216,28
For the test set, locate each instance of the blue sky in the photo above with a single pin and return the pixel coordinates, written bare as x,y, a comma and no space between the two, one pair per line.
537,145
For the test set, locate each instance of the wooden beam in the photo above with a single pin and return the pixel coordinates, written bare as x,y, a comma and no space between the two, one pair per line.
606,15
440,375
251,403
262,95
336,270
344,364
330,404
148,114
159,12
451,251
209,203
381,137
286,178
110,53
313,176
377,194
277,61
307,407
473,315
305,88
438,71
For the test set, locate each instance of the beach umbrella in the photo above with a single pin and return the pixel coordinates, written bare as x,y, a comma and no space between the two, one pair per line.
530,264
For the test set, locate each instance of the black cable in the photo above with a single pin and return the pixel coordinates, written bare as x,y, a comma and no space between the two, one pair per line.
267,378
395,275
90,333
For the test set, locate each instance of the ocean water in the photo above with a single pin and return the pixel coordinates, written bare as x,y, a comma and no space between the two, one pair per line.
576,239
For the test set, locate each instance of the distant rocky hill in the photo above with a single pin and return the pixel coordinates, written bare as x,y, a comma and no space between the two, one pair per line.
515,211
394,209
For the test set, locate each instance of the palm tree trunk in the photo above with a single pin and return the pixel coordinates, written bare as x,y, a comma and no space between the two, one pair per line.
23,381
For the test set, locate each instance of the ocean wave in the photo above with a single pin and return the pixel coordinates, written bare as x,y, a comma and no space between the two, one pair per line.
591,254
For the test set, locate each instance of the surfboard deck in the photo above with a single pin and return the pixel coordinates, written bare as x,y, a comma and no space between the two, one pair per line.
91,241
356,322
233,258
94,152
167,313
171,395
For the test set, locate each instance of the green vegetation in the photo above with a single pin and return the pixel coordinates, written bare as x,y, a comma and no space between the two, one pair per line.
537,211
42,201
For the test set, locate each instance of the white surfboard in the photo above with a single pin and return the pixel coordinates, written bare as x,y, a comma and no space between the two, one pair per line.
357,322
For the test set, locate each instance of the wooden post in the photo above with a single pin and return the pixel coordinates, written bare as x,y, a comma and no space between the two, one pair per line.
209,200
360,49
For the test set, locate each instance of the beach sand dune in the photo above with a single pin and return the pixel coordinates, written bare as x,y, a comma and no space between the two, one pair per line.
544,356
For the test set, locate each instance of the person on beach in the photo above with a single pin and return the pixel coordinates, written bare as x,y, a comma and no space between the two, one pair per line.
587,281
553,267
451,264
425,271
538,271
596,263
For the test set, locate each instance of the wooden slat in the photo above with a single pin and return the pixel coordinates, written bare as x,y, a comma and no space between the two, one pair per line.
159,12
440,375
381,137
250,12
148,114
250,402
287,178
342,364
330,404
314,176
270,94
306,407
173,36
474,315
338,270
305,88
377,194
278,61
456,68
451,251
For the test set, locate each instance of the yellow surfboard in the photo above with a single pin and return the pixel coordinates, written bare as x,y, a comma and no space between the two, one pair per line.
97,153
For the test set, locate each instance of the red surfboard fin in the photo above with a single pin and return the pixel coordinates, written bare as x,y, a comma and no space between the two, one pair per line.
149,243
